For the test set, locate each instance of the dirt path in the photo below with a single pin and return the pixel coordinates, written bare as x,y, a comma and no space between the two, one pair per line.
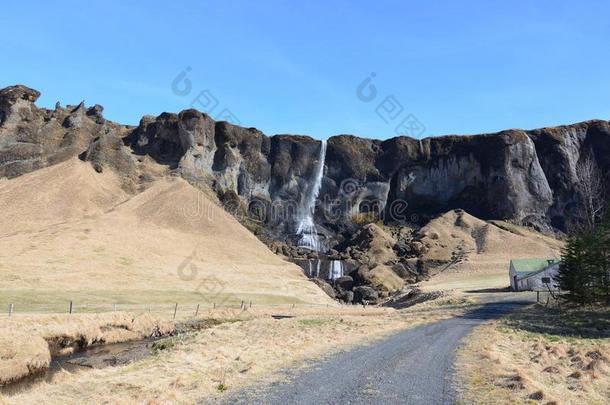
411,367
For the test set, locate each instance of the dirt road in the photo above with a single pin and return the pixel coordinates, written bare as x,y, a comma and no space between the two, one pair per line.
411,367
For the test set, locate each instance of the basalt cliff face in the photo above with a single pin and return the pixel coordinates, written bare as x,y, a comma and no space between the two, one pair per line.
527,177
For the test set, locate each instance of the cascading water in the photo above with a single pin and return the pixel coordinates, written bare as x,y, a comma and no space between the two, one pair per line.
308,234
314,269
336,269
307,231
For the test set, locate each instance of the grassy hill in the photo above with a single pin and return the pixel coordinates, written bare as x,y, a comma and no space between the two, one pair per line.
70,233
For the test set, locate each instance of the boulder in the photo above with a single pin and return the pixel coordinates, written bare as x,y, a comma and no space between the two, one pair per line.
345,283
347,297
327,288
413,296
365,295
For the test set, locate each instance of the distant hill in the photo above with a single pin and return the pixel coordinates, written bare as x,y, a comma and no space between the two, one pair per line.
71,233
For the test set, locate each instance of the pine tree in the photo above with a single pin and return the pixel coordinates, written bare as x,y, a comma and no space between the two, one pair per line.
584,272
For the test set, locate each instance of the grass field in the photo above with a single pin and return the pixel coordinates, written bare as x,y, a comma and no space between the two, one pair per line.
88,301
539,355
206,364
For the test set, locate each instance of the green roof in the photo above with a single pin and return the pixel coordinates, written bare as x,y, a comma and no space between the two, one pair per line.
525,267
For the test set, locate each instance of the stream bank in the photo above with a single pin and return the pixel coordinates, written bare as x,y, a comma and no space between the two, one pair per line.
78,354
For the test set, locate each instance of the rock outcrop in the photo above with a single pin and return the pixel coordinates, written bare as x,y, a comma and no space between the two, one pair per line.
526,177
32,137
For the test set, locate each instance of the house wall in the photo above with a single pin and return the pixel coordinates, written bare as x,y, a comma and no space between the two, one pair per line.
535,282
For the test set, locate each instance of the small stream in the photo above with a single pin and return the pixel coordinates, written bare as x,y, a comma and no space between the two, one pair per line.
108,355
93,357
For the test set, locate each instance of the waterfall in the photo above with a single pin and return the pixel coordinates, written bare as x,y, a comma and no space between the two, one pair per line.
308,234
336,269
310,265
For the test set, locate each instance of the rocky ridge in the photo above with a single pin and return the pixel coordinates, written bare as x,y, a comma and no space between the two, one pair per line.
523,177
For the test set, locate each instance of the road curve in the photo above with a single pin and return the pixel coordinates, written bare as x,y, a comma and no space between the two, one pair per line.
412,367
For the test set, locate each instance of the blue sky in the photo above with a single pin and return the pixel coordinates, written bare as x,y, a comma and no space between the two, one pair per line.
288,67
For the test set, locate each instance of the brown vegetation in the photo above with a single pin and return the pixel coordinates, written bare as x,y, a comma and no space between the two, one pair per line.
539,355
70,233
231,355
27,343
472,254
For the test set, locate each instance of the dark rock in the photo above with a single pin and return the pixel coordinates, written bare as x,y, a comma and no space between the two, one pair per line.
365,295
32,137
327,288
345,283
412,297
347,297
108,151
523,176
12,94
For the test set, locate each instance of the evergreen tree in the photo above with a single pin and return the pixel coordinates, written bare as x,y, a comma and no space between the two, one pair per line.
571,277
584,272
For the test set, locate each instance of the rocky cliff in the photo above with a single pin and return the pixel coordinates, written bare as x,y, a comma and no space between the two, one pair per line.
527,177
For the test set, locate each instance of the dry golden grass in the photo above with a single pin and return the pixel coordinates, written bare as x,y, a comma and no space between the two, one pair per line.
507,362
235,355
485,250
70,233
27,343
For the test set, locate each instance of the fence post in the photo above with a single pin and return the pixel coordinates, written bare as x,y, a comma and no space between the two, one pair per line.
175,310
10,309
197,310
250,304
71,304
537,296
214,307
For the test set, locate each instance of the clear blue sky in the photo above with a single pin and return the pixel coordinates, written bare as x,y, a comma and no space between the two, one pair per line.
294,67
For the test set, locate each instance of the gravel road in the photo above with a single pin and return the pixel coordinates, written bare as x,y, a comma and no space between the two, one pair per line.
411,367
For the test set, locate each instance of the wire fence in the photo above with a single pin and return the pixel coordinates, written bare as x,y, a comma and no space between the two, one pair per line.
173,310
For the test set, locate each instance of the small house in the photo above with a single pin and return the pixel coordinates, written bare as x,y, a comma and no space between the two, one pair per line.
533,274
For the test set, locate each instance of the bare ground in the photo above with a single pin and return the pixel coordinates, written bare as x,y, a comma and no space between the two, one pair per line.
411,367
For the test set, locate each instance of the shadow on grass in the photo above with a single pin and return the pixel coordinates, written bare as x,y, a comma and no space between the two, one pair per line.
496,309
490,290
591,323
